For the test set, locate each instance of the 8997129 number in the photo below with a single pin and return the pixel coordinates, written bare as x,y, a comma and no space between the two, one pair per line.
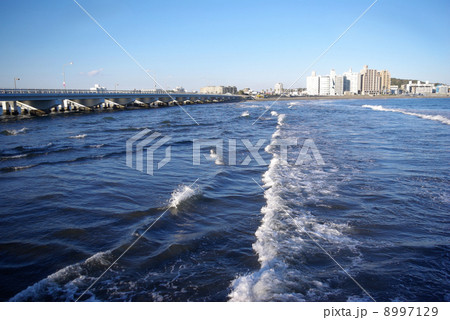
411,311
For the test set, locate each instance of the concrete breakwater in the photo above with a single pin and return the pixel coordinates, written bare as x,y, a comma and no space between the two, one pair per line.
44,101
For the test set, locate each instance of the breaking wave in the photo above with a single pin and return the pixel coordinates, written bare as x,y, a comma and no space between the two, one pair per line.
80,136
181,195
65,284
14,132
283,234
438,117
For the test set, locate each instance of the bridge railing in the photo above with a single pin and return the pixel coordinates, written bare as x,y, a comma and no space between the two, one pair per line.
84,91
94,92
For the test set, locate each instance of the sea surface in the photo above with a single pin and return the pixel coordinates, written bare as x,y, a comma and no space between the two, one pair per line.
369,221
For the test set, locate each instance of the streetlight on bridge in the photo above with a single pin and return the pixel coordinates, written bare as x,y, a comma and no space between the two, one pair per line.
64,74
15,85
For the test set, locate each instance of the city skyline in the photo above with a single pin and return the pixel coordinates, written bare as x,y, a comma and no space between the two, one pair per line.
197,45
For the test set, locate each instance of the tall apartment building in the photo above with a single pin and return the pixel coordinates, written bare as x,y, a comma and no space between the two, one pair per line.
370,81
339,85
385,85
351,82
324,85
336,84
331,84
312,84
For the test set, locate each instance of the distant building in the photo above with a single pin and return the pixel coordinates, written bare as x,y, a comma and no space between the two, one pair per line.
180,90
351,82
312,84
278,88
218,90
442,89
338,84
394,89
370,81
324,85
98,87
385,85
419,88
332,77
331,84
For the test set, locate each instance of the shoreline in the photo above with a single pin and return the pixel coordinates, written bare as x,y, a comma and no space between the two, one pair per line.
357,97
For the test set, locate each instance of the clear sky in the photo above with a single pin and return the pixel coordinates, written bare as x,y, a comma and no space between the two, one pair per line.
196,43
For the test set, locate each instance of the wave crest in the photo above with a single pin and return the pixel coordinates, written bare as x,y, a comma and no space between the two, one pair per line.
437,117
14,132
80,136
181,195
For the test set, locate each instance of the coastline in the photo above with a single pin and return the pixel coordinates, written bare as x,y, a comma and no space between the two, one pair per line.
356,97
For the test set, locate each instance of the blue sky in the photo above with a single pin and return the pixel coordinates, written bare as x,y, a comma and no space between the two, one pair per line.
196,43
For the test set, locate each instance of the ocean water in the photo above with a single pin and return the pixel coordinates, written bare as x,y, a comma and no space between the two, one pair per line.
272,230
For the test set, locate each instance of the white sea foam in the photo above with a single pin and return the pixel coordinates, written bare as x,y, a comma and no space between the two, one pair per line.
437,117
65,284
281,233
182,194
217,160
80,136
281,118
274,113
17,156
14,132
245,114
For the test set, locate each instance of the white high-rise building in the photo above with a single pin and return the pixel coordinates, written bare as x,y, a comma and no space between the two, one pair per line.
278,88
351,81
312,84
324,85
339,85
332,82
336,84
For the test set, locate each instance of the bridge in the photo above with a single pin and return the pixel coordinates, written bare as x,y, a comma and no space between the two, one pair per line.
42,101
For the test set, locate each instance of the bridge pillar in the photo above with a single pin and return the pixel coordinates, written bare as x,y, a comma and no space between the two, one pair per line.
112,104
15,110
140,103
90,103
146,100
122,101
158,103
43,105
